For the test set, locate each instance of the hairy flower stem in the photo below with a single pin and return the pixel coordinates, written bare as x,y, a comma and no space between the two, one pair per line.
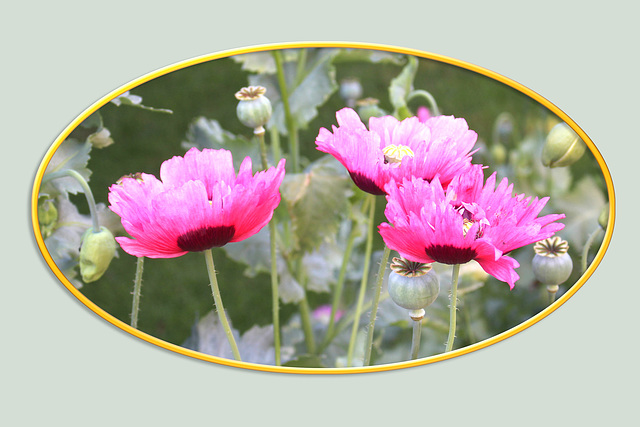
452,307
337,295
415,339
374,308
363,282
211,269
137,287
587,246
291,126
432,101
275,297
87,192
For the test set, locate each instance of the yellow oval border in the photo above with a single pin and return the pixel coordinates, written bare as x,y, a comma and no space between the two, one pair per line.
267,368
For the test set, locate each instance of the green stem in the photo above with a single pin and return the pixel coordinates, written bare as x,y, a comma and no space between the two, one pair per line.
275,144
376,302
428,97
305,315
291,126
587,246
275,297
85,187
452,307
302,61
415,339
137,287
337,296
552,290
211,269
363,282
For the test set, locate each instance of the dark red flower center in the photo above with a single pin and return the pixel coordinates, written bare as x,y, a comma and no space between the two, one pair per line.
366,184
206,238
446,254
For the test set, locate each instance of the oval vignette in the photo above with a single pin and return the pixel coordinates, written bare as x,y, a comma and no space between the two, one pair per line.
431,74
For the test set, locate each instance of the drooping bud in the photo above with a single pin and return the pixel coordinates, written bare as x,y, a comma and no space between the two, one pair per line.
254,109
603,219
412,285
96,253
350,90
368,107
101,139
552,264
47,216
563,147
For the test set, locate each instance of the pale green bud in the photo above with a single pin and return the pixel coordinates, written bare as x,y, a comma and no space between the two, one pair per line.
563,147
96,253
101,139
254,109
47,217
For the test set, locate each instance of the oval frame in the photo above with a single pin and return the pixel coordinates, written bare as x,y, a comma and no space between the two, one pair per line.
350,370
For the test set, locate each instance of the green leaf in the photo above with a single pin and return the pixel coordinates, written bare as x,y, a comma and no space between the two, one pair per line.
255,345
369,55
70,155
316,84
263,62
255,253
316,200
401,86
206,133
306,361
582,207
136,101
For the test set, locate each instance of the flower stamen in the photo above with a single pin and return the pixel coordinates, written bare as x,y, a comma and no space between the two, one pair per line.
395,153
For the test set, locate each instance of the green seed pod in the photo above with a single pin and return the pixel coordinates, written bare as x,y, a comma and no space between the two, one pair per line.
96,253
563,147
254,109
603,219
47,213
552,265
412,285
368,108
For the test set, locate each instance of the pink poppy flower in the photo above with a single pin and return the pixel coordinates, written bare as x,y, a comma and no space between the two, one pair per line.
466,221
198,204
392,150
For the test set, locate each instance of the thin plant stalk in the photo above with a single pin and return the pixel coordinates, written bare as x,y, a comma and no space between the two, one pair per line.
275,143
291,126
337,295
374,307
363,282
428,97
452,307
85,187
137,288
587,246
305,315
275,297
211,269
415,339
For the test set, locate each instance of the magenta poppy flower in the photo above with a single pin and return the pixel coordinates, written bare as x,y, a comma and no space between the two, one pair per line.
466,221
198,203
392,150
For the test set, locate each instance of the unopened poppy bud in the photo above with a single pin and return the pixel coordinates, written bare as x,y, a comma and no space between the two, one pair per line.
101,139
254,109
563,147
96,253
350,90
47,217
368,107
603,219
552,264
412,285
